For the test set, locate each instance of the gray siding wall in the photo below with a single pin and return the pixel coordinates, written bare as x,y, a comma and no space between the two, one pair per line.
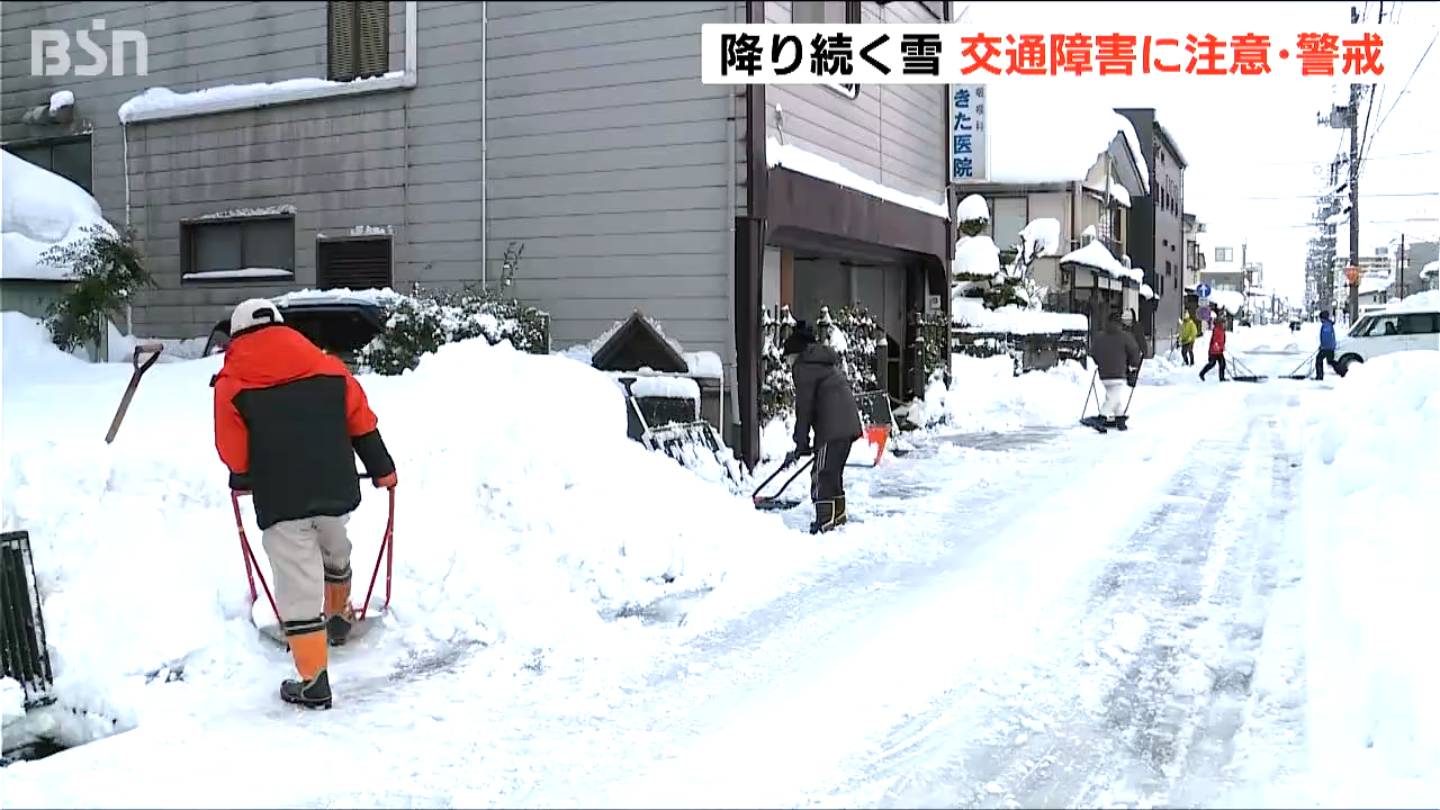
891,134
607,157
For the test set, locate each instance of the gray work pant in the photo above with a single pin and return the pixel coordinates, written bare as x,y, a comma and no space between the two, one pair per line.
301,552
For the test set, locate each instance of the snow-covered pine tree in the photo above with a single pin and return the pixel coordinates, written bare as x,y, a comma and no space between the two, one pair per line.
852,331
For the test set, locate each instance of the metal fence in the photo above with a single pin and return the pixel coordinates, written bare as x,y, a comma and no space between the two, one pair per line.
25,653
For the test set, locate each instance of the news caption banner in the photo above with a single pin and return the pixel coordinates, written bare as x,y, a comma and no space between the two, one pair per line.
893,53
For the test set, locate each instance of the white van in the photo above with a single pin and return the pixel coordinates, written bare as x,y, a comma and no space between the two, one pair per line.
1387,331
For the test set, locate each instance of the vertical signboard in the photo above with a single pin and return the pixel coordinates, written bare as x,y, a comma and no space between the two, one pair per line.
969,135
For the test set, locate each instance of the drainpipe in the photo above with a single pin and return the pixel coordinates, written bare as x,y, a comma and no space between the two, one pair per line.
484,142
125,167
412,48
732,132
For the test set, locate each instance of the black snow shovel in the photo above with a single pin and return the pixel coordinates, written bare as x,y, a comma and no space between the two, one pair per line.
154,349
775,503
1246,374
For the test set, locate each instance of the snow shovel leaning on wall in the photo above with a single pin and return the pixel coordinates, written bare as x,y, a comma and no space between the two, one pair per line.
362,616
775,503
154,350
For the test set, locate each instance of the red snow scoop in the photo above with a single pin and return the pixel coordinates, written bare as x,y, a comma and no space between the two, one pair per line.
252,571
140,369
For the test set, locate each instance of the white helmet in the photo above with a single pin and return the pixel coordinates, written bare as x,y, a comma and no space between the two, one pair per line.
252,313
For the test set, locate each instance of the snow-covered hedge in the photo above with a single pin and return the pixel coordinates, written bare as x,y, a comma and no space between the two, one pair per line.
420,324
852,332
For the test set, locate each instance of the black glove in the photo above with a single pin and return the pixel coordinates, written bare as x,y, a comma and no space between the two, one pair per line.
803,451
239,482
1132,378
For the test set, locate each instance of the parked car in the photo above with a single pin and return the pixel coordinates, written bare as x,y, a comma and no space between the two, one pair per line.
338,324
1385,332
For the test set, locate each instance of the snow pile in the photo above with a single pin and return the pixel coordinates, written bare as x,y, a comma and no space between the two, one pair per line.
976,256
971,314
985,395
790,156
971,208
122,347
1428,301
524,514
1095,256
41,210
162,101
1368,504
1049,134
1044,234
61,99
12,700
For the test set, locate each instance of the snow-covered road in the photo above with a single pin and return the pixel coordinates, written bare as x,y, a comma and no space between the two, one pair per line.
1072,621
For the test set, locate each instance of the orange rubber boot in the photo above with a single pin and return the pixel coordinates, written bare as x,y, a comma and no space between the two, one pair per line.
312,690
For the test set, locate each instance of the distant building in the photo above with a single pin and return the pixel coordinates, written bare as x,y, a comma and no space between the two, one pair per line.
1157,231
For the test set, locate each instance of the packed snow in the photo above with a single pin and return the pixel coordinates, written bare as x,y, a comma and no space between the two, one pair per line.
240,273
162,102
122,347
985,395
42,211
971,314
704,365
790,156
976,256
1095,256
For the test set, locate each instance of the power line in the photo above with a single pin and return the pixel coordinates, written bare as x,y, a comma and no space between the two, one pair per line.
1403,90
1367,194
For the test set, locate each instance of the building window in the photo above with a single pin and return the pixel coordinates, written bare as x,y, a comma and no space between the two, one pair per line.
254,249
358,39
356,264
1224,254
820,12
67,157
1007,219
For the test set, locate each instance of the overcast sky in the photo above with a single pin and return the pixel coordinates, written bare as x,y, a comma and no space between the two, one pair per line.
1247,140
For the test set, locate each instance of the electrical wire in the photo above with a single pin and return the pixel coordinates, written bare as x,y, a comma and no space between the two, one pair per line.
1403,90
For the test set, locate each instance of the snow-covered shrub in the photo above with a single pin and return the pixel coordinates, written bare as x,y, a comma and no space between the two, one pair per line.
777,387
419,324
853,333
934,342
106,269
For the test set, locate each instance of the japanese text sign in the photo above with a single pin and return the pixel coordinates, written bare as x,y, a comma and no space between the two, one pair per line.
969,140
874,53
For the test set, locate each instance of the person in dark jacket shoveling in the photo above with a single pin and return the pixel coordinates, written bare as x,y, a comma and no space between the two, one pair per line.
289,421
1117,361
824,404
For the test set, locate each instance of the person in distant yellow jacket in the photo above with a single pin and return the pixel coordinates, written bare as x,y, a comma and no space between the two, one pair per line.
1189,330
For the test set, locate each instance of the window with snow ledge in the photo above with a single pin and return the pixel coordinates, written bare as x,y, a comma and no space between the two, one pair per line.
238,248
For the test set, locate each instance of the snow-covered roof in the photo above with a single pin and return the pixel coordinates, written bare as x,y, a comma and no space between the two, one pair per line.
1146,291
1048,134
789,156
1096,256
1231,301
658,385
971,208
41,210
976,255
971,314
1373,284
1431,269
1120,194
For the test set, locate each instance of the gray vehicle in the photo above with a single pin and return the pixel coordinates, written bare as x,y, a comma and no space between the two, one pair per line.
338,324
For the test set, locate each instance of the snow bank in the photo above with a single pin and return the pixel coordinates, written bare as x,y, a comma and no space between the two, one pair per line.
790,156
976,255
971,314
122,347
157,101
1368,503
1428,301
985,395
41,210
1047,134
524,514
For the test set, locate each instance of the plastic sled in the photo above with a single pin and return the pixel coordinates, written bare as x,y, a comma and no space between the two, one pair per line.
775,503
269,623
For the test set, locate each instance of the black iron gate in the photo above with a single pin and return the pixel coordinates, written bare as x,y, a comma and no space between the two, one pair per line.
22,626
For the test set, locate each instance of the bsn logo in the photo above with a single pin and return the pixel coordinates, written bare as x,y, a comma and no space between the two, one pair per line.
50,52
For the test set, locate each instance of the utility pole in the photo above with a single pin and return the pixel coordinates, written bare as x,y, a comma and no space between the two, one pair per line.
1400,265
1354,116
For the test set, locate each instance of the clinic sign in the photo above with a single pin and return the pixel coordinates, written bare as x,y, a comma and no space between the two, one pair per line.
969,134
50,52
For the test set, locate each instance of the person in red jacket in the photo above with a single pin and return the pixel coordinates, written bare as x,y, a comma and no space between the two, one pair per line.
289,421
1217,343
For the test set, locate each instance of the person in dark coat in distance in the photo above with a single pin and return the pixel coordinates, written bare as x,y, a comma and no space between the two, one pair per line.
1326,353
824,405
1117,362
